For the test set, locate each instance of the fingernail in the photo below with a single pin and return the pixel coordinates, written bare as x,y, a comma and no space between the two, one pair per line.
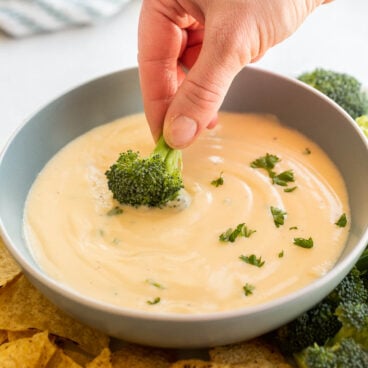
181,131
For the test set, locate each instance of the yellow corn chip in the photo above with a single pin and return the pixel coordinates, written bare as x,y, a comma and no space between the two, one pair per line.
15,335
103,360
22,307
134,356
73,351
60,360
3,336
9,269
34,352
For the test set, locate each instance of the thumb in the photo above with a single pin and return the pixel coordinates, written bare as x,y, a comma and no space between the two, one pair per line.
202,92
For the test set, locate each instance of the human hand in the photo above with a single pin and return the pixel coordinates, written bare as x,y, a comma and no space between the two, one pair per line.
213,40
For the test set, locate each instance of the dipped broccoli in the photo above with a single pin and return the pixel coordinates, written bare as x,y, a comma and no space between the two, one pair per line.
343,88
151,181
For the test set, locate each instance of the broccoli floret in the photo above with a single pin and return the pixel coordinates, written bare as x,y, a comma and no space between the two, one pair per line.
343,88
354,319
321,323
314,326
345,354
363,123
350,290
151,181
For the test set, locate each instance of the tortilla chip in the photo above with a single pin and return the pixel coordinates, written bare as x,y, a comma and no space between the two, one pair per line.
253,351
16,335
135,356
22,307
103,360
195,363
60,360
3,336
73,351
9,269
34,352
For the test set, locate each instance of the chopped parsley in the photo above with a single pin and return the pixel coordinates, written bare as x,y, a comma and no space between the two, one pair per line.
248,289
281,254
252,260
307,151
219,181
293,228
342,221
230,235
154,301
304,243
289,190
278,216
283,178
115,211
155,284
266,162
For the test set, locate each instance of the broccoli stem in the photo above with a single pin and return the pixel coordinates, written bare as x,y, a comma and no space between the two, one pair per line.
172,157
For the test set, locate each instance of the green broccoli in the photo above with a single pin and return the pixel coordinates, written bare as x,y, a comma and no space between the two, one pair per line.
354,319
343,88
314,326
363,123
153,181
347,353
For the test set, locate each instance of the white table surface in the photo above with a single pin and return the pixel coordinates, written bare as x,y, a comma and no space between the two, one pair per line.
37,69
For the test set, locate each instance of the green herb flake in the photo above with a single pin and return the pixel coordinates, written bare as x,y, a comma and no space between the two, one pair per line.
248,289
307,151
278,216
155,284
304,243
293,228
266,162
252,260
219,181
281,254
115,211
230,235
283,178
154,301
289,190
342,221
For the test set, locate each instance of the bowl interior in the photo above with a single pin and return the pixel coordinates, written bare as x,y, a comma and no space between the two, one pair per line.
118,94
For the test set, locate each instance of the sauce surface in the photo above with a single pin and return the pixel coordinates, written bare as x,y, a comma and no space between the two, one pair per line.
171,259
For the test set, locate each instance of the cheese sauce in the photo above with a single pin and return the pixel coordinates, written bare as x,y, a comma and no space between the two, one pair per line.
171,259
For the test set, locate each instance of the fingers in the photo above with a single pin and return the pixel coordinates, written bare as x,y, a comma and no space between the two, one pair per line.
201,94
160,43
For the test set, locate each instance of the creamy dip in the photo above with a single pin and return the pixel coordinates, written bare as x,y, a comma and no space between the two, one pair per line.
171,259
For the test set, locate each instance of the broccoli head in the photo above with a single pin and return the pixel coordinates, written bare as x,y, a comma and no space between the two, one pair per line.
151,181
314,326
343,88
346,353
354,319
363,123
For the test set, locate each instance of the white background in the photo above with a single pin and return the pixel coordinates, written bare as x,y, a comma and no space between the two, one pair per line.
37,69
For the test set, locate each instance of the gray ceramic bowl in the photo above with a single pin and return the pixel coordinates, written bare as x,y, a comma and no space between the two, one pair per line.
118,94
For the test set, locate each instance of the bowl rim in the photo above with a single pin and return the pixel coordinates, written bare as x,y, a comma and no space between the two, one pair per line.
337,272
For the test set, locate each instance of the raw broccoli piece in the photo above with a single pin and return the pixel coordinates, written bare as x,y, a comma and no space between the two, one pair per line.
350,290
321,323
314,326
345,354
354,319
343,88
363,123
151,181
